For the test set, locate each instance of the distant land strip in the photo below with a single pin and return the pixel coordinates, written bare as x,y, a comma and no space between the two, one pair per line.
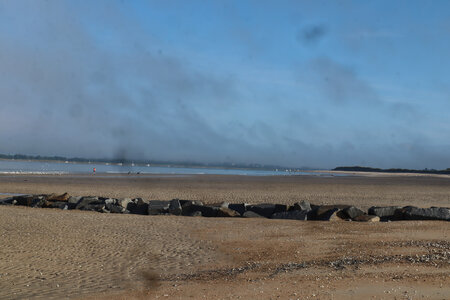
369,169
127,161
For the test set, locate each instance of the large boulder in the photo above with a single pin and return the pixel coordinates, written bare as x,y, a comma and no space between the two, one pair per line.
158,207
28,200
186,209
72,202
61,198
113,206
432,213
303,205
267,209
352,212
386,212
327,212
91,203
291,215
7,201
123,202
240,207
251,214
366,218
226,212
175,207
138,206
206,211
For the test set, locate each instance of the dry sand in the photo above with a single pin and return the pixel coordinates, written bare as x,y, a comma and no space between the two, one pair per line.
54,254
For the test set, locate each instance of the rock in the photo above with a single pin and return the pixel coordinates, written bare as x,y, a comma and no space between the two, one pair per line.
175,207
7,201
207,211
251,214
303,205
123,202
62,198
291,215
240,208
186,209
158,207
352,212
113,206
386,212
138,206
227,212
26,200
189,202
73,201
196,214
327,212
54,204
432,213
267,209
220,204
366,218
91,203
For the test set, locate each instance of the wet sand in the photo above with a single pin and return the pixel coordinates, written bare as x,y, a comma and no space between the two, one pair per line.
54,254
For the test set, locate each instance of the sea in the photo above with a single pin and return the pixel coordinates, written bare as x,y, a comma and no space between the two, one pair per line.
46,167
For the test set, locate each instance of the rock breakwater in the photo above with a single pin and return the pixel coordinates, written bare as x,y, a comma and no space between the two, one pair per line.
299,211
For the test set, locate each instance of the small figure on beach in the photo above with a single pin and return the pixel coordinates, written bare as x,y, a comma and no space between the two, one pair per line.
93,171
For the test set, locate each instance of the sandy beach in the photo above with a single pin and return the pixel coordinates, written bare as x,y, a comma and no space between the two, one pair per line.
54,254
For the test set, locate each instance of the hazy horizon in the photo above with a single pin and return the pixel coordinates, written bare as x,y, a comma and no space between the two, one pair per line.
293,83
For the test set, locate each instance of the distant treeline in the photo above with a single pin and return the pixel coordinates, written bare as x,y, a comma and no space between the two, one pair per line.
368,169
142,162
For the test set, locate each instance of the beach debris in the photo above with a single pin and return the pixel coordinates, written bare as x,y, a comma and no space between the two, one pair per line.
179,207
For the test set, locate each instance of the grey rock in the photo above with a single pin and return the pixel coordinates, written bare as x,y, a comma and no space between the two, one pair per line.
7,201
91,203
352,212
61,198
207,211
267,209
175,207
386,212
73,201
366,218
196,214
303,205
327,212
158,207
123,202
26,200
291,215
432,213
251,214
226,212
240,208
190,202
55,204
138,206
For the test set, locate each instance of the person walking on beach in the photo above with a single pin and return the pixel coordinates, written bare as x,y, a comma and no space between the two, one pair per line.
93,171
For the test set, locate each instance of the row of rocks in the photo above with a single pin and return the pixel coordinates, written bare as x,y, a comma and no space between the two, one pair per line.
299,211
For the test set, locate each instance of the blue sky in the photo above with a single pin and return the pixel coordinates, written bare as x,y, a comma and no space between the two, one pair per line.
296,83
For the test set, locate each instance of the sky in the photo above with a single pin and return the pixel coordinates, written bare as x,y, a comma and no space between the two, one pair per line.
314,84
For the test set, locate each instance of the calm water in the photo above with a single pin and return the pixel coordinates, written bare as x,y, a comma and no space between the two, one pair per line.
37,167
